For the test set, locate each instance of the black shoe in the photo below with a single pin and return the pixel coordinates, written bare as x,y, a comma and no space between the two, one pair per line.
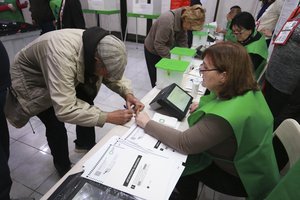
62,170
82,149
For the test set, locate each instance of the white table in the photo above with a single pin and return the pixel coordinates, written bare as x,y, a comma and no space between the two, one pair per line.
116,131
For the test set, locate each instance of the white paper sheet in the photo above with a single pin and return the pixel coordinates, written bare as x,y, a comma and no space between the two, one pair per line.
130,168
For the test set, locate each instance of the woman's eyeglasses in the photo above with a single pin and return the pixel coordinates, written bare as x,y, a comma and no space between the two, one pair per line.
238,32
203,68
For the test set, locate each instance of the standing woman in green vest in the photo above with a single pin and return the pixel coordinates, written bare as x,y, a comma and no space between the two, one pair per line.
229,142
243,27
16,15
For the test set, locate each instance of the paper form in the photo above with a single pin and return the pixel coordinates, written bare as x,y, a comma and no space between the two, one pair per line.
134,170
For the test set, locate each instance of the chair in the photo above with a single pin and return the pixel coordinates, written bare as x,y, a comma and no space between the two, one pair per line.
289,134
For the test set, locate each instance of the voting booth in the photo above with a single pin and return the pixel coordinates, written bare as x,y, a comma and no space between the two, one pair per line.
146,7
182,53
103,4
170,71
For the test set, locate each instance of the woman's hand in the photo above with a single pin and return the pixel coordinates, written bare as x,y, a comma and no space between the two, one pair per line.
142,119
193,106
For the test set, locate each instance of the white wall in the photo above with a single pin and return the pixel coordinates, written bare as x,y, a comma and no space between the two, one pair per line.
251,6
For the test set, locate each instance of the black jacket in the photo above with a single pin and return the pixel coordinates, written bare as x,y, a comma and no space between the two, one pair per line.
72,15
4,68
41,11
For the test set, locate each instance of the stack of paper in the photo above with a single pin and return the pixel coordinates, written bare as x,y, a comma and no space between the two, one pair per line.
137,164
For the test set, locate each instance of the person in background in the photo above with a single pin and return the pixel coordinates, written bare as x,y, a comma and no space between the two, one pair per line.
5,82
228,150
70,15
47,74
168,31
16,7
264,6
282,83
243,27
267,22
6,7
42,15
228,35
190,33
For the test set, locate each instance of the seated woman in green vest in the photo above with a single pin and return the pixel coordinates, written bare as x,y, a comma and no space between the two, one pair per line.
243,27
16,15
229,142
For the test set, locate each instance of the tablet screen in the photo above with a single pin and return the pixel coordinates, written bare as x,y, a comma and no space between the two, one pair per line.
179,98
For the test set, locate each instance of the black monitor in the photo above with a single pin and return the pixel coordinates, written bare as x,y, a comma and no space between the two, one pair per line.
173,100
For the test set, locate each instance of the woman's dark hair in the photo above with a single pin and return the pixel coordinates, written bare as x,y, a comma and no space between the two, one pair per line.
233,59
244,20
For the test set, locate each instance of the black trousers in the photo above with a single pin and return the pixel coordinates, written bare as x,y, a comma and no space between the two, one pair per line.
85,135
151,60
282,106
5,180
57,138
213,177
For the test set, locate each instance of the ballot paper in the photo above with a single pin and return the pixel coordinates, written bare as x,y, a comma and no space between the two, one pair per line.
137,136
143,171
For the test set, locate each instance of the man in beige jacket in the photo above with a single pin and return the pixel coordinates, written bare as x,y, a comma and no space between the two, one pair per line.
57,77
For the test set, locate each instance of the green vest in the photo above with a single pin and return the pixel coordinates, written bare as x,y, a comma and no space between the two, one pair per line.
229,36
259,47
288,187
252,123
55,6
16,16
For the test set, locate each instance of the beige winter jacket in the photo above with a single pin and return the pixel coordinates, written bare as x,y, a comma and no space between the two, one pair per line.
46,72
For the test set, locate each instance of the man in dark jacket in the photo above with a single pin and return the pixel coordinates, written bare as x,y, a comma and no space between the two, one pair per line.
5,183
42,15
70,15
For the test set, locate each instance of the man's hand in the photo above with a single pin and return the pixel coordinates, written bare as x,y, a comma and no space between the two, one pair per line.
119,117
133,102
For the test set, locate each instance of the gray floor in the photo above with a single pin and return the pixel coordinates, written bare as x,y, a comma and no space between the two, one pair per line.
30,161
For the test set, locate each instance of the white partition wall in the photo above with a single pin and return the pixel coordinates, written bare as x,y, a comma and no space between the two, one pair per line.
142,7
251,6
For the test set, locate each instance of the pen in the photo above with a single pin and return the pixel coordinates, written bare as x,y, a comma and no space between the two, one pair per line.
132,107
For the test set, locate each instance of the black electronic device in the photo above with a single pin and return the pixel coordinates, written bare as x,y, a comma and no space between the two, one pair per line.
211,37
173,100
76,187
199,50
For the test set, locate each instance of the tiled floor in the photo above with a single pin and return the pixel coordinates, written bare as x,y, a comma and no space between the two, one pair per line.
31,165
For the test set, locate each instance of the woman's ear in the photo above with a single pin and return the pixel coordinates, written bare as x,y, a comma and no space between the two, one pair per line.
223,77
